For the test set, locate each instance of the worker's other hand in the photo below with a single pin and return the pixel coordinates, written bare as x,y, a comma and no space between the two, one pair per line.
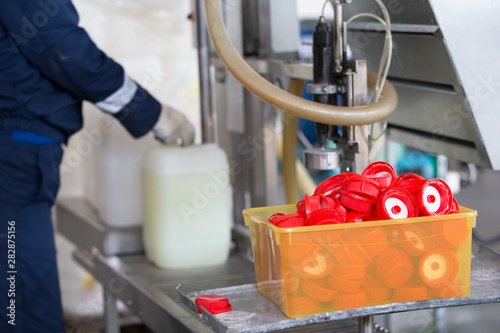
173,127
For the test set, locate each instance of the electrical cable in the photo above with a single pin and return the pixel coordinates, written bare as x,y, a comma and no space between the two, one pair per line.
324,7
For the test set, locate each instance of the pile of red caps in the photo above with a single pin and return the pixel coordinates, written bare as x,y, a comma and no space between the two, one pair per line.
376,194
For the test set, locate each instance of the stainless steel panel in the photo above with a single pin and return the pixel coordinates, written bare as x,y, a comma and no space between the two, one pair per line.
208,116
415,57
401,11
460,57
439,114
471,30
259,151
234,108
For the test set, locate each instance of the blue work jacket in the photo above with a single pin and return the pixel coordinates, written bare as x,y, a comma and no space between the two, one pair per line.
49,65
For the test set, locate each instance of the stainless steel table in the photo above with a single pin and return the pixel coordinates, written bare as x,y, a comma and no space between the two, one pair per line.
150,292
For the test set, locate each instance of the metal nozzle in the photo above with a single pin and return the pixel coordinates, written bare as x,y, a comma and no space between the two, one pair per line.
322,158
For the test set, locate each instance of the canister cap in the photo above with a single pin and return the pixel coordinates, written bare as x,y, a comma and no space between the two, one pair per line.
435,198
363,186
411,185
383,173
438,267
274,217
356,202
455,208
408,176
312,203
332,204
327,202
332,185
213,303
290,220
301,206
324,216
396,203
354,216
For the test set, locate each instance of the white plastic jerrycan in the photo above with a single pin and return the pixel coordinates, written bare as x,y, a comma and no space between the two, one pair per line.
186,206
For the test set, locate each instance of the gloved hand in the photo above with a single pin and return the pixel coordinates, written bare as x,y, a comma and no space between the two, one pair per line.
173,127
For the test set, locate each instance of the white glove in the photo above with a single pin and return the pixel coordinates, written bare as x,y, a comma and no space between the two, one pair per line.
173,127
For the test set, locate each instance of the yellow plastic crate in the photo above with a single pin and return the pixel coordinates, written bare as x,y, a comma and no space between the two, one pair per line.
310,270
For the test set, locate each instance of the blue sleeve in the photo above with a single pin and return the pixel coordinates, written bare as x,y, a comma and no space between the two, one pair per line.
47,34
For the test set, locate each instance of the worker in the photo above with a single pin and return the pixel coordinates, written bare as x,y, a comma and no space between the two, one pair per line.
48,66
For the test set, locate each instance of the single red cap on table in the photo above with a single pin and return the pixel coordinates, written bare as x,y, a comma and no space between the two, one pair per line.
356,202
396,203
383,173
363,186
290,220
312,203
213,303
435,198
324,216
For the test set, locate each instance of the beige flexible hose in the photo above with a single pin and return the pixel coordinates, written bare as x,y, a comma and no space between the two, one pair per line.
323,113
305,181
290,147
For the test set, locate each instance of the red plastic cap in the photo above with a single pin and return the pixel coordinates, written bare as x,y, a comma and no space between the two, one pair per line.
356,202
325,216
354,216
396,203
455,208
333,184
213,303
290,220
411,185
408,176
435,198
312,203
363,186
327,202
274,217
301,206
383,173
